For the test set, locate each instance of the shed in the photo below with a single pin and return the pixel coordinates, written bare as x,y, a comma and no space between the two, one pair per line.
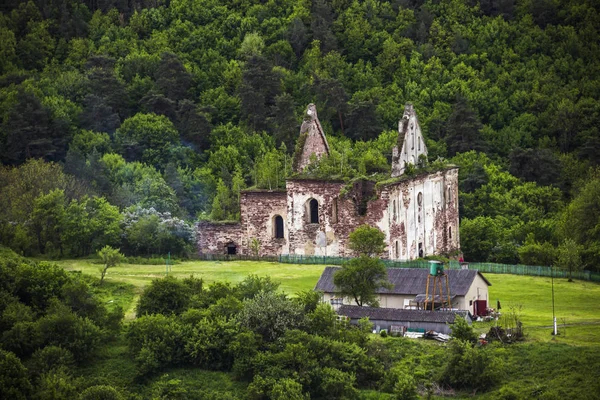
395,319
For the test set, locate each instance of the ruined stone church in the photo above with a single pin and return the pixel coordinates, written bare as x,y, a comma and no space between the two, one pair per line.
418,213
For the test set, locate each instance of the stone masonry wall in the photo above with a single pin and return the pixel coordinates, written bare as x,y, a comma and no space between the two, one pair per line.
258,210
213,238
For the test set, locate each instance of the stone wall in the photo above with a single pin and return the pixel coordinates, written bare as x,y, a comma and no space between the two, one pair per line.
340,213
422,216
215,237
259,210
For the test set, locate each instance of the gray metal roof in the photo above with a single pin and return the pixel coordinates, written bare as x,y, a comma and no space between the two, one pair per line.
395,314
411,281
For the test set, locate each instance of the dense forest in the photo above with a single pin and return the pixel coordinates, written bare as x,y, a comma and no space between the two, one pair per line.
125,121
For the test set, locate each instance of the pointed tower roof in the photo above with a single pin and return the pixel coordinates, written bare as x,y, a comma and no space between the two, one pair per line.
312,139
411,143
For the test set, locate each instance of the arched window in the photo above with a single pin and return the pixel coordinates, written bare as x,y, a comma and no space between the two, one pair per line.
394,218
449,195
397,250
420,199
450,232
314,211
278,227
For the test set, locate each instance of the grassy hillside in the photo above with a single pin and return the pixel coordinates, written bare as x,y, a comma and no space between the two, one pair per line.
575,302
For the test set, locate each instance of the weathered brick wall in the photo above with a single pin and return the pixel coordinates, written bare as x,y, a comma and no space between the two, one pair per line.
339,215
258,210
423,214
213,237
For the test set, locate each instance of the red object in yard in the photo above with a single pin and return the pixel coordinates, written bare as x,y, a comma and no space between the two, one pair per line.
480,308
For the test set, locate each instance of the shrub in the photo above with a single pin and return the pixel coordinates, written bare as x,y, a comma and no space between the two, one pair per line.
405,387
164,296
461,330
56,384
270,314
469,367
62,327
49,358
100,392
287,389
338,384
13,377
157,341
383,333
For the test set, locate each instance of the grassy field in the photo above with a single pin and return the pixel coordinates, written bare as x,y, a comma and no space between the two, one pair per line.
576,303
544,366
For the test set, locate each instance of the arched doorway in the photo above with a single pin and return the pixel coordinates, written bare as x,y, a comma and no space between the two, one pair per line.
231,248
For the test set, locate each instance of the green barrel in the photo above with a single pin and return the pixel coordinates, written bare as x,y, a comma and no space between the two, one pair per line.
436,268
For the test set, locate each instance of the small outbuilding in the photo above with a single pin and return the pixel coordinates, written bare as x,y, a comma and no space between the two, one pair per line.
468,289
401,321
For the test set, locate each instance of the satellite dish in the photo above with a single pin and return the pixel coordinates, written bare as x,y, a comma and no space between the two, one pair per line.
321,239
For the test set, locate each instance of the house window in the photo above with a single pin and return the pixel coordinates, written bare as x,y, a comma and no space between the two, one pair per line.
278,225
313,211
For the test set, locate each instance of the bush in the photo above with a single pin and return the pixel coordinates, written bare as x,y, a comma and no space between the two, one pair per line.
62,327
49,358
270,314
383,333
461,330
164,296
469,367
338,384
405,387
100,392
14,384
56,384
156,342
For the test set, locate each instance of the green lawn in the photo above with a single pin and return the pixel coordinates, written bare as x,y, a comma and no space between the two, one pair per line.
576,303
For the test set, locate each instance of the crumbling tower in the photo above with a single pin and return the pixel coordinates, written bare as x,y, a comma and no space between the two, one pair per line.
411,144
312,140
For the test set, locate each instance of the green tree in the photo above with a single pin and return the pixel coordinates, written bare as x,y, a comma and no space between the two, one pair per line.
48,220
148,138
110,258
360,278
367,241
569,257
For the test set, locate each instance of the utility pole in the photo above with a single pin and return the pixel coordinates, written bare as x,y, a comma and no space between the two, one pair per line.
555,332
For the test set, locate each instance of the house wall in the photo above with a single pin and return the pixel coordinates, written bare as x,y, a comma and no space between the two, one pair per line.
477,291
401,301
258,210
213,238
